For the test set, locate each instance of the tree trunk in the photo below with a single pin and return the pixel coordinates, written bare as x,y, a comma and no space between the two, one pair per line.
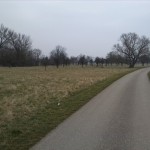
82,65
131,65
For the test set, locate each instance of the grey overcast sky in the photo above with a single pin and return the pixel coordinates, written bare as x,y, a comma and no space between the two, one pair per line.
83,27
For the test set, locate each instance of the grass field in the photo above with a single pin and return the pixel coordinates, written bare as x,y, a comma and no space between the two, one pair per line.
34,101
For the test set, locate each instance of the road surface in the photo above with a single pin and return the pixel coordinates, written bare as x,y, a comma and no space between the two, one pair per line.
116,119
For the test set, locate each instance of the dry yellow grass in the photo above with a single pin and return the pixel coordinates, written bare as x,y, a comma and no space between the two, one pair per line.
26,91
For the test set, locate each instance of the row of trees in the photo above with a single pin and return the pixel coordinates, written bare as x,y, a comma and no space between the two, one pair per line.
16,50
60,58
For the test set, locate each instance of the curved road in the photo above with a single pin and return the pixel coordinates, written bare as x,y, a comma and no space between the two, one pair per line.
116,119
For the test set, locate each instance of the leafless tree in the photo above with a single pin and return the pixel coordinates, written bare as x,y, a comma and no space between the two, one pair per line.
36,55
58,55
5,36
15,49
82,60
115,57
21,43
73,60
133,47
89,60
44,61
102,61
97,61
144,59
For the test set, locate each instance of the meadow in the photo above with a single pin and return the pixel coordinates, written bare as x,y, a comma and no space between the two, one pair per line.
34,101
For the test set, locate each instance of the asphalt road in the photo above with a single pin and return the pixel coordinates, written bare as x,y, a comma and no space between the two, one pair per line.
116,119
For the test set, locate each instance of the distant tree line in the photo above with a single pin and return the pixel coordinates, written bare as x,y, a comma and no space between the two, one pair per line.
16,50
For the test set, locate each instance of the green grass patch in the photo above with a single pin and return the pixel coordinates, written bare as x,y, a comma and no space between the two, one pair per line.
27,114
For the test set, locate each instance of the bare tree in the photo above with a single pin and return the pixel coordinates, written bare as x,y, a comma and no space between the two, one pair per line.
144,59
73,60
5,36
63,58
97,61
13,47
21,43
82,60
44,61
112,57
102,61
58,55
89,60
115,57
7,57
36,55
133,47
